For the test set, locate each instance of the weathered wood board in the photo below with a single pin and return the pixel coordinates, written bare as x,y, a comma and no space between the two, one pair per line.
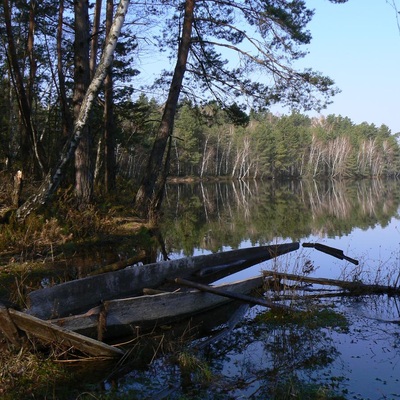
7,326
49,333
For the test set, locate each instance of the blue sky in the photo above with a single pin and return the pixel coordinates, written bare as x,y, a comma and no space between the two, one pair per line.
357,44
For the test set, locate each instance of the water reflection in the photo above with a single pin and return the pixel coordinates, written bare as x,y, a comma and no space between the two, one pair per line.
329,351
214,215
256,358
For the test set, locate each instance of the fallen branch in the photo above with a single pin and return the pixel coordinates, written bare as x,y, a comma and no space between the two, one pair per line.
354,287
235,296
331,251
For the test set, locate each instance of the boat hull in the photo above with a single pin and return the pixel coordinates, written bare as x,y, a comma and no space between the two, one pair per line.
124,317
78,296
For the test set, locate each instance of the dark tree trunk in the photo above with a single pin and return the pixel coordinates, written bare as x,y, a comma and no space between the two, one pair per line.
83,153
67,121
32,61
149,196
109,133
23,96
94,43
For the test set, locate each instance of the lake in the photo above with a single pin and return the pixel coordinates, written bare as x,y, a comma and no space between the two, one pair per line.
351,351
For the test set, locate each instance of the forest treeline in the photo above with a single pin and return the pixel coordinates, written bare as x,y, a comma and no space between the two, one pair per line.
210,141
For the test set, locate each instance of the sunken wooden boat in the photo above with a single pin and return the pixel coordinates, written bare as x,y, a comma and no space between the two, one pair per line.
80,295
139,314
83,312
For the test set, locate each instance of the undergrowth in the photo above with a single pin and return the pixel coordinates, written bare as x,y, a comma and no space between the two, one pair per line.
25,375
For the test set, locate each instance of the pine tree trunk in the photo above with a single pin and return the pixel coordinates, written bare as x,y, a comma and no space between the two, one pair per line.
149,196
67,123
109,133
83,153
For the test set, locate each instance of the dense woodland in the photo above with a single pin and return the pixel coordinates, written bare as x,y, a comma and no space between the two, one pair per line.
75,110
209,141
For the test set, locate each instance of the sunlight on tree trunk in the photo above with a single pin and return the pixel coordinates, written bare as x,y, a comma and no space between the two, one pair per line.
109,131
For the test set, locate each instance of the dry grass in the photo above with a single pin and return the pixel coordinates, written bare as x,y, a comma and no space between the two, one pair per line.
25,374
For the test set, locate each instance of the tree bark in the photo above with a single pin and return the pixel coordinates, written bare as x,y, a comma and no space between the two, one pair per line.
22,95
149,196
54,179
109,132
67,123
32,61
17,189
83,153
94,42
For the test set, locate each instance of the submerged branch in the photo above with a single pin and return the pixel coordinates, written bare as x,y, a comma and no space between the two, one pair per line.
355,287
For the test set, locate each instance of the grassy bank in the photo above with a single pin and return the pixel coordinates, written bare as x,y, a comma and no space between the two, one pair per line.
64,242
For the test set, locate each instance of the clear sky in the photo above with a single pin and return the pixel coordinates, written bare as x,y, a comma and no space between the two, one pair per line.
357,44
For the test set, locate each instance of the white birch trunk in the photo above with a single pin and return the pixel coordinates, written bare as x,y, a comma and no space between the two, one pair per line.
54,178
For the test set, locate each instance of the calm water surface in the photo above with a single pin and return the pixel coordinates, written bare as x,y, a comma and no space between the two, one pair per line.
360,218
258,361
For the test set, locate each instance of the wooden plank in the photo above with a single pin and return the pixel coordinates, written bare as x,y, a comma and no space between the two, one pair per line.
8,328
49,333
82,294
332,251
123,316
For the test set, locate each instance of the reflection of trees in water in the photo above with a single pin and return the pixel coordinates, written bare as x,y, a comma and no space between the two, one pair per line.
340,199
259,359
215,214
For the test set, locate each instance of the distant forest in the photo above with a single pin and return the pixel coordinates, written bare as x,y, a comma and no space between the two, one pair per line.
213,142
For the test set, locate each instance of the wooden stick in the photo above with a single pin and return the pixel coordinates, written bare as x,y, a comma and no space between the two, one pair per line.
119,264
17,189
235,296
352,286
331,251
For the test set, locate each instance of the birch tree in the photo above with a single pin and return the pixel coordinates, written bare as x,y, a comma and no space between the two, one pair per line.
57,174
